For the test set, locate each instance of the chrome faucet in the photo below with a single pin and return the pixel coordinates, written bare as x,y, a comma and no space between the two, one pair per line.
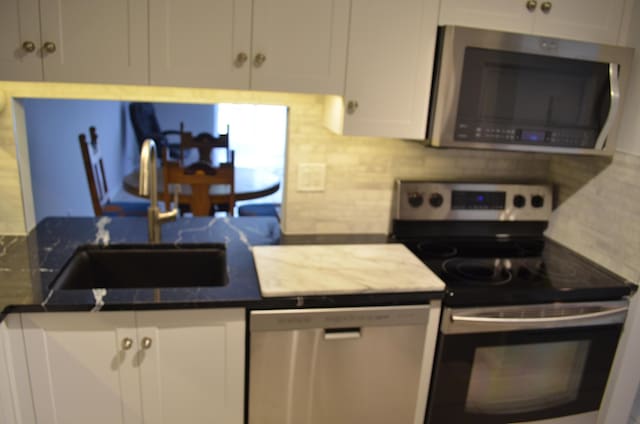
149,187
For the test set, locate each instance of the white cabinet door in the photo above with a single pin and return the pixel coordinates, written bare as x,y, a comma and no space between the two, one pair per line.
299,45
390,63
588,20
80,370
20,40
7,407
192,365
198,43
502,15
103,41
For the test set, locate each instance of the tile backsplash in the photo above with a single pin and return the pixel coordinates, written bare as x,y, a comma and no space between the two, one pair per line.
359,170
599,211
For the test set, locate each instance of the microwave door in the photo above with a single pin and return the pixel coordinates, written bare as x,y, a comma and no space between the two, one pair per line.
506,91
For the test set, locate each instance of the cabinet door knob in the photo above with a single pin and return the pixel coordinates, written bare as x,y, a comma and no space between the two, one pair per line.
49,47
146,342
352,105
259,60
29,46
241,58
531,5
546,7
127,343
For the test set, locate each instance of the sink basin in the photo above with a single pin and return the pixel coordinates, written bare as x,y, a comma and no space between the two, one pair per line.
144,266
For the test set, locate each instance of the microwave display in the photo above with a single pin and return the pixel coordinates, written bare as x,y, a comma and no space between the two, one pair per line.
520,98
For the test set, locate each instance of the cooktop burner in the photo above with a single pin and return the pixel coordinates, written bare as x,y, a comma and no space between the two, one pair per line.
478,271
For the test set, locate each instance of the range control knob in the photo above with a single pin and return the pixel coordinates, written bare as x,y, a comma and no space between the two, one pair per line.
415,199
537,201
435,200
519,201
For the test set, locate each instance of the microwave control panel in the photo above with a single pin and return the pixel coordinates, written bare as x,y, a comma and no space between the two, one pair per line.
577,138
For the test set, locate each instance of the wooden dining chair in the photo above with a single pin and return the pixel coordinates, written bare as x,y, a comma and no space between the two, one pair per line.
98,187
205,144
199,176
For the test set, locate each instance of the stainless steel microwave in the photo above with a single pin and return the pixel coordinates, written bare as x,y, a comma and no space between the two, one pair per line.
506,91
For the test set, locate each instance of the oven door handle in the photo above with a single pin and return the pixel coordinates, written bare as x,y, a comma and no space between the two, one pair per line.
614,91
544,322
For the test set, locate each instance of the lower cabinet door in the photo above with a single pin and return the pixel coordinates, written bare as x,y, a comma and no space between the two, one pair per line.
192,365
80,367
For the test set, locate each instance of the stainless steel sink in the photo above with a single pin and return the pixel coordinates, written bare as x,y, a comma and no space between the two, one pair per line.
144,266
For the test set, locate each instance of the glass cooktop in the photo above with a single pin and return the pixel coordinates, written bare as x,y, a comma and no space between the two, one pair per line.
488,271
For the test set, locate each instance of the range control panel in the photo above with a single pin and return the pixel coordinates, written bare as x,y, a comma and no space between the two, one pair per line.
438,201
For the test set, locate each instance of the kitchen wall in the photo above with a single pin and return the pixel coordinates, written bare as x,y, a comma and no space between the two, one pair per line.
359,173
600,210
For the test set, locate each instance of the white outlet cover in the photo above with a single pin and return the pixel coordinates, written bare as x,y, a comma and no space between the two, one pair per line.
311,176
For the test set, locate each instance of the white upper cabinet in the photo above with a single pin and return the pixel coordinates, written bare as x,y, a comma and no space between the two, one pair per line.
200,43
390,63
102,41
283,45
587,20
20,40
132,367
299,45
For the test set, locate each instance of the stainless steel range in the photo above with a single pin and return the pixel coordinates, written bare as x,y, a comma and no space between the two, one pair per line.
529,328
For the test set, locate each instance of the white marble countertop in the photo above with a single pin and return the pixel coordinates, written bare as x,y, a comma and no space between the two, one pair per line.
309,270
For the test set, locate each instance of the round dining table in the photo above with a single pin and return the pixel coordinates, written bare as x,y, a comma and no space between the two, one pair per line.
249,184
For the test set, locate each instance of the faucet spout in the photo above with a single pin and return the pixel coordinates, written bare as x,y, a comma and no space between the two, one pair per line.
148,184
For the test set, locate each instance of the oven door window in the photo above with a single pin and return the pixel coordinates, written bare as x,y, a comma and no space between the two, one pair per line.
525,378
519,98
490,378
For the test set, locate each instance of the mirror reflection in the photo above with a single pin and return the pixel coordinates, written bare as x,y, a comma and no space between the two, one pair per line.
256,134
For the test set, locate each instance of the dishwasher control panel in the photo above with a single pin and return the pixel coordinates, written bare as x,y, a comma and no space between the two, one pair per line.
296,319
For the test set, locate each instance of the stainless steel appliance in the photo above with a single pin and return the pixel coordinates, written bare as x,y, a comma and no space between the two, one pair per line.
497,90
529,328
339,366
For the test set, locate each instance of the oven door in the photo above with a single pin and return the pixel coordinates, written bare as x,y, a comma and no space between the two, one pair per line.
525,363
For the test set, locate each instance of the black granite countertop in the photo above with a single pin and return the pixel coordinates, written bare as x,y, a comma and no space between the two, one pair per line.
29,265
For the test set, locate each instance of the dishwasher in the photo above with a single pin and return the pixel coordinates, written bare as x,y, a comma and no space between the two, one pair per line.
338,365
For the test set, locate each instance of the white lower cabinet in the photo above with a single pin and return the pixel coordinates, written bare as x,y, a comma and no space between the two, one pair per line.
137,367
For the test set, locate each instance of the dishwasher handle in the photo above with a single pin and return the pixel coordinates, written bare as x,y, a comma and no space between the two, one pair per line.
342,333
337,318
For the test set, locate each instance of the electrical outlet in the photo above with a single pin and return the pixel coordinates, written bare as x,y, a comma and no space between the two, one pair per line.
311,176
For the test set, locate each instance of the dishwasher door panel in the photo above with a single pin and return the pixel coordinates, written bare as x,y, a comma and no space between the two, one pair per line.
340,375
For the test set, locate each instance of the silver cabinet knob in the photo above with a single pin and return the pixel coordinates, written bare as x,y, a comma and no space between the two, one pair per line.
546,7
126,343
241,58
29,46
49,47
352,105
259,60
146,343
531,5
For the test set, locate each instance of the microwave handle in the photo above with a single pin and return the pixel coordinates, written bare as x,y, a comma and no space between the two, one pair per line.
614,90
